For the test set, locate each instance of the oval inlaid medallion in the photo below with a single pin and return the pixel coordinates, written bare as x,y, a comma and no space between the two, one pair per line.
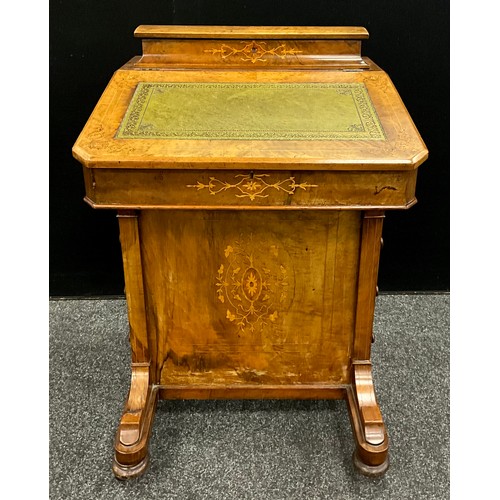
255,283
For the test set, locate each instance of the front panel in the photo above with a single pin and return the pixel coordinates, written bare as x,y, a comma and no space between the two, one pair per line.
250,298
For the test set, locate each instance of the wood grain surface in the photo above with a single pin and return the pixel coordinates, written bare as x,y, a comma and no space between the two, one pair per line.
246,302
249,190
97,146
243,32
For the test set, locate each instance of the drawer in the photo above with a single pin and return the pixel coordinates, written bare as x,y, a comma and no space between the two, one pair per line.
248,189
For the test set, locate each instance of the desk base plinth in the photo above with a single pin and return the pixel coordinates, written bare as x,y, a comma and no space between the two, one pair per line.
281,310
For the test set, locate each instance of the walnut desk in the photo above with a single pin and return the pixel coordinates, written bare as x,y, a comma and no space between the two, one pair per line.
250,168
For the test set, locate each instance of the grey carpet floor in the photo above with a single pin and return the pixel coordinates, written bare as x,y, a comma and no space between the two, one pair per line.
249,449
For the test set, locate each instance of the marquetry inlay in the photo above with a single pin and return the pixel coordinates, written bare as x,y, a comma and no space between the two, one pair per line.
252,186
254,283
254,51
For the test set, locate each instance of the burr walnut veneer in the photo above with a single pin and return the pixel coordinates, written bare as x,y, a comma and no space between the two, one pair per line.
250,168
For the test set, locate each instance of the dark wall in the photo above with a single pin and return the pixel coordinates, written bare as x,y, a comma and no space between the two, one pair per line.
90,39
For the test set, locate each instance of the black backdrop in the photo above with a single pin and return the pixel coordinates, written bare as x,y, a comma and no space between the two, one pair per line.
90,39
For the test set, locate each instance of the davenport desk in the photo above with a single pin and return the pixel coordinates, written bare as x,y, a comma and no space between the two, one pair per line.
250,168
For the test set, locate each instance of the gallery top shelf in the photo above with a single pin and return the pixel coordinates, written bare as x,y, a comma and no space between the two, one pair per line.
254,32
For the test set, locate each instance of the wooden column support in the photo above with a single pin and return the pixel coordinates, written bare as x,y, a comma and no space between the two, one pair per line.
134,285
371,236
371,455
131,441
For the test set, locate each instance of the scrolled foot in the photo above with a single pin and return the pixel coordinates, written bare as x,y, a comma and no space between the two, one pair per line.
132,436
371,457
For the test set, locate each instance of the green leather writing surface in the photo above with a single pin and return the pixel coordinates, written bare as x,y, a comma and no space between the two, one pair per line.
251,111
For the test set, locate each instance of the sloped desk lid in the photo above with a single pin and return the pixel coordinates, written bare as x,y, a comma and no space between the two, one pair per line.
235,113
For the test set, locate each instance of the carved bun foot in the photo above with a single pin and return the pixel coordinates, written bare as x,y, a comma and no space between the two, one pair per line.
124,472
370,470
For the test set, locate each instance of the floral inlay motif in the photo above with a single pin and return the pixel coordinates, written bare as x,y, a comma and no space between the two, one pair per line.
254,51
253,285
252,186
